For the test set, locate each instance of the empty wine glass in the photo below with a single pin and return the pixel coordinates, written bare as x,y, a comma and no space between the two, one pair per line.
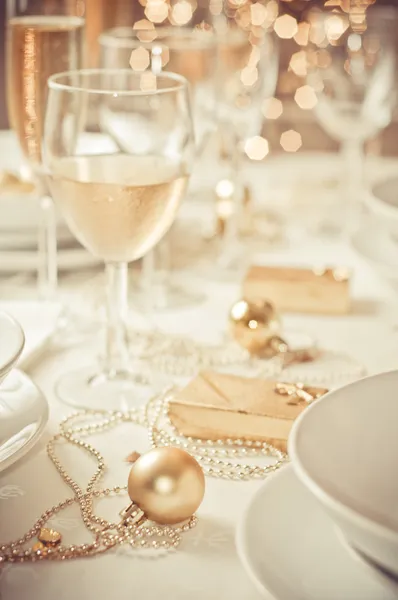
119,201
352,72
247,74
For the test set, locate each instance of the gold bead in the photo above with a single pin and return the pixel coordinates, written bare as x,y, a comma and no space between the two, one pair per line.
49,537
39,546
254,325
167,484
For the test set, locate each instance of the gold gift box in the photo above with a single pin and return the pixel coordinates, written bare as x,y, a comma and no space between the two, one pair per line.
323,291
217,406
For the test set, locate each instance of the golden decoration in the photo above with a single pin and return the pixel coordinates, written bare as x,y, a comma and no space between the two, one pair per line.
131,530
298,393
255,326
167,484
38,547
49,537
131,458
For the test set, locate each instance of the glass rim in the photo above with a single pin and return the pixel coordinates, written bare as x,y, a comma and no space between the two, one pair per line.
54,84
109,37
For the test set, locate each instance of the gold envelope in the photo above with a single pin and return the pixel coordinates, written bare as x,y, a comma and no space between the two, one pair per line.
218,406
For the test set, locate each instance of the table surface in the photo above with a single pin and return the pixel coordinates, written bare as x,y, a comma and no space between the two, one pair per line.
206,566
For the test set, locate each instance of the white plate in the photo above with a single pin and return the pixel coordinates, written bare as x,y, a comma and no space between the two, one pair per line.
26,260
12,341
385,577
23,416
336,447
291,551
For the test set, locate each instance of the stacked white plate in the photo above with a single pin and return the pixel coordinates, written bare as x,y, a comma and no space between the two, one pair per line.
326,526
19,220
23,408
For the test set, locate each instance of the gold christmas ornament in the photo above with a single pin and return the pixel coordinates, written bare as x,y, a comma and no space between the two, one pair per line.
256,327
167,482
166,485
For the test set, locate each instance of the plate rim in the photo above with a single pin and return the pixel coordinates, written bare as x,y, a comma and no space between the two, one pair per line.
4,369
19,454
240,544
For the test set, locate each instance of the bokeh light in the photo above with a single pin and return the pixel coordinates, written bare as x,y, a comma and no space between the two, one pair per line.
301,37
354,42
256,148
286,27
272,108
139,59
156,11
182,12
258,13
249,76
305,97
291,140
298,63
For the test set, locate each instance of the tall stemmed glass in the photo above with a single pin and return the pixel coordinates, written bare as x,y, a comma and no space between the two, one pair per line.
118,202
43,38
247,74
191,53
352,71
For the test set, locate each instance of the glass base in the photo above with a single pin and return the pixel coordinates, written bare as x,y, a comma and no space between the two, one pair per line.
170,297
73,328
87,388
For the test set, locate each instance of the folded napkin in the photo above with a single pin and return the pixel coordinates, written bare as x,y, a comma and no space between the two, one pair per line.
38,320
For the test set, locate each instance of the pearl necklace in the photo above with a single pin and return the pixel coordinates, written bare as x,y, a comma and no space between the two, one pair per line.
220,458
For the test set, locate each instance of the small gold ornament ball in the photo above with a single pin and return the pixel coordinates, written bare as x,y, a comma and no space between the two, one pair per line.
253,325
167,484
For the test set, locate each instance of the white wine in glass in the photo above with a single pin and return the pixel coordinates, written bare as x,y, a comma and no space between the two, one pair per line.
119,201
118,205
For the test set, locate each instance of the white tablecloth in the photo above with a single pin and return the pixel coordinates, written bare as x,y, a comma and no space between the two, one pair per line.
206,566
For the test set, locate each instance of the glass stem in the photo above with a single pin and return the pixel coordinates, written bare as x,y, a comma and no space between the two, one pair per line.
231,231
353,157
117,356
47,251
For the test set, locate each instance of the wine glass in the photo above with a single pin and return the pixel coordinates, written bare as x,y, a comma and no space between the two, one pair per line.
247,74
351,69
192,54
118,200
43,38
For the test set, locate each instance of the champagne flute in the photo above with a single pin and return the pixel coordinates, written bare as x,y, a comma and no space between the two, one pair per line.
190,53
42,38
352,72
120,201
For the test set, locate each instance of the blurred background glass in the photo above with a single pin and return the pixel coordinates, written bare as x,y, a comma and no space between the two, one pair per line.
351,69
43,38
